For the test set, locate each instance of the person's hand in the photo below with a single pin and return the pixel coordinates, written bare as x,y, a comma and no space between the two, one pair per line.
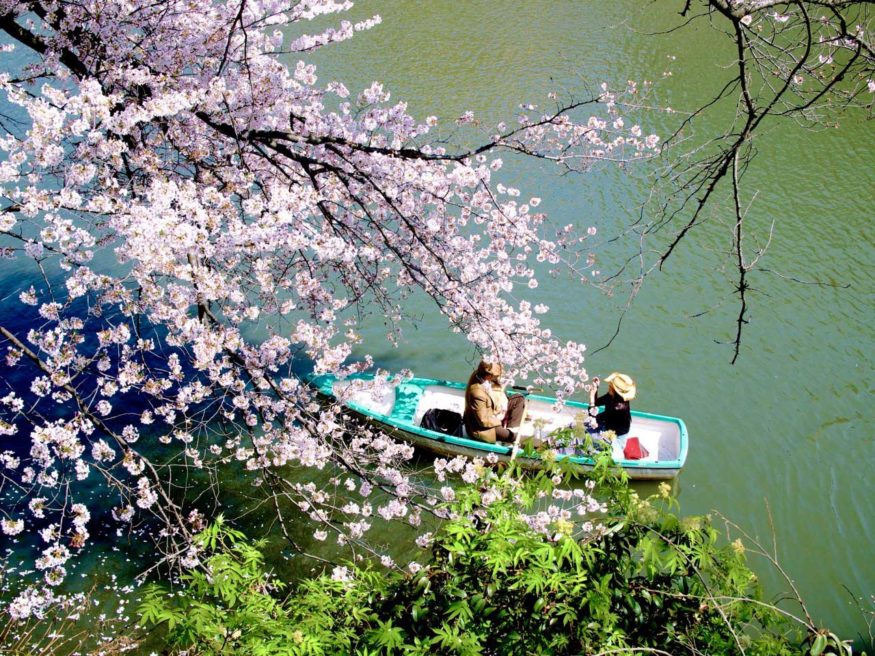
595,381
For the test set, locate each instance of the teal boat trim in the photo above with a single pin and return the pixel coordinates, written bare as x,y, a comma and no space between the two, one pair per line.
408,395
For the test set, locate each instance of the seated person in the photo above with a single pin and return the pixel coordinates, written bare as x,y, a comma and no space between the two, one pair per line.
617,415
489,414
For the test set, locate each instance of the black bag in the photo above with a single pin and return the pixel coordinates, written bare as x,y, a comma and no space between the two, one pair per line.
442,421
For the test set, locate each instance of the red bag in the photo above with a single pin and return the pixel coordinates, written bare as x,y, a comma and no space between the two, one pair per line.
633,449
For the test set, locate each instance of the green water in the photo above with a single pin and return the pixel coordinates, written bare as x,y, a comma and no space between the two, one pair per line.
785,433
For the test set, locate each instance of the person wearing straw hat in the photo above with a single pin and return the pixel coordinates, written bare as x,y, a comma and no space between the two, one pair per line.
489,414
617,415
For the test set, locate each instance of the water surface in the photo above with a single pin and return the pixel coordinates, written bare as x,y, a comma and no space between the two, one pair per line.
782,442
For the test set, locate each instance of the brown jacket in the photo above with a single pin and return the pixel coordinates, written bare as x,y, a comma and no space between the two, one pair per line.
482,412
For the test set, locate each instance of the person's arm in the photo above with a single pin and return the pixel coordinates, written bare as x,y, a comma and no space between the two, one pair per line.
594,390
484,409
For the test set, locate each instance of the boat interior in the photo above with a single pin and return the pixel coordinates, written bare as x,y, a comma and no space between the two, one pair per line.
408,402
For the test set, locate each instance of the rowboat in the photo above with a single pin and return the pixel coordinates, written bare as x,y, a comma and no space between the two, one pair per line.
399,408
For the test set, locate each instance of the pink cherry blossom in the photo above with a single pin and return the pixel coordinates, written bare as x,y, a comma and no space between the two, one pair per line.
214,220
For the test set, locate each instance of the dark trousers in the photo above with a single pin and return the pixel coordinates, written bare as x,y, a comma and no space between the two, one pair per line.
513,418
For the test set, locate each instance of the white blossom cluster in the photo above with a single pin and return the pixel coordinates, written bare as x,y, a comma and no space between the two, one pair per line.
204,214
809,48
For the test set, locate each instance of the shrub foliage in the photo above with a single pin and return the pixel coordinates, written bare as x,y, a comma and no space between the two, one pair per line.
635,579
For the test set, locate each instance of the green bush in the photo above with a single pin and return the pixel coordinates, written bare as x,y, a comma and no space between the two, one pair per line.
638,578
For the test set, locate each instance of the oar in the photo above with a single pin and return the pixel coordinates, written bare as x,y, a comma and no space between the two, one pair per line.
526,389
519,435
516,444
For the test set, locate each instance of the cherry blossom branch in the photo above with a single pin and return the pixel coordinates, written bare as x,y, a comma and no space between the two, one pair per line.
801,60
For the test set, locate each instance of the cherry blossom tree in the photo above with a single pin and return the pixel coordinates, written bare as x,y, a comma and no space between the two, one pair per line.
201,213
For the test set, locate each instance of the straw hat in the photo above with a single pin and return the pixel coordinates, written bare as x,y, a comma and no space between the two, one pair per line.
622,385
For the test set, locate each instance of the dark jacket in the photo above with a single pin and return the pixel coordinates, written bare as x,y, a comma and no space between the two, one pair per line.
616,416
